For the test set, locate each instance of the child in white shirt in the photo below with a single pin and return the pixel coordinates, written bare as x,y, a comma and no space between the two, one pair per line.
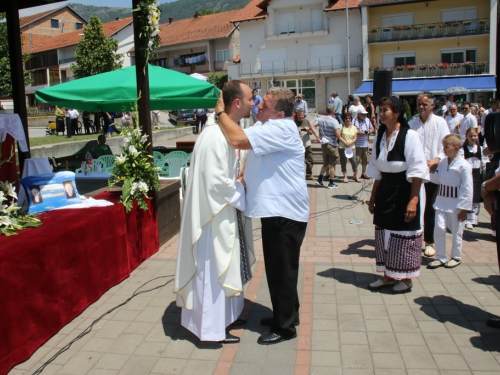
454,176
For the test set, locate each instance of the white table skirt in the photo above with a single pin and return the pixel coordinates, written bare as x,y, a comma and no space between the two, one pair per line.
10,123
36,166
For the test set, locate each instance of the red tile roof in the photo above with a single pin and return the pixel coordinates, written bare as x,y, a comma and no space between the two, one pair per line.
257,9
334,5
28,19
24,21
254,10
34,41
212,26
72,38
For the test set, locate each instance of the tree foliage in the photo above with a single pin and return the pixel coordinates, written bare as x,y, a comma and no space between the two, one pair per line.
217,79
182,9
206,12
95,53
5,74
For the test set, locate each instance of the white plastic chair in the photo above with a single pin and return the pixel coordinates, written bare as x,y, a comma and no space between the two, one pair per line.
157,155
171,166
109,163
179,153
95,163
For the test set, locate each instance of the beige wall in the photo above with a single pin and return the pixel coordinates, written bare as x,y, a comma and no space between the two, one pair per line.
426,12
42,26
429,51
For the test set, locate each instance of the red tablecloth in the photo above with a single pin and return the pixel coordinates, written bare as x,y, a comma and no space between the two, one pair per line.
8,171
50,274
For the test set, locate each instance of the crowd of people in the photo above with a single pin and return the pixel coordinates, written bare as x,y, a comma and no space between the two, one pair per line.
425,180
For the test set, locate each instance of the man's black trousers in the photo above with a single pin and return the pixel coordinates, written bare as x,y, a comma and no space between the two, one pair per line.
281,241
429,213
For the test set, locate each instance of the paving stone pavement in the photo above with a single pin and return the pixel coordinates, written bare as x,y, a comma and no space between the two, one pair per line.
438,328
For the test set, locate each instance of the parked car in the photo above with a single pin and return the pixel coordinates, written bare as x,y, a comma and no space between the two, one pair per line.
182,116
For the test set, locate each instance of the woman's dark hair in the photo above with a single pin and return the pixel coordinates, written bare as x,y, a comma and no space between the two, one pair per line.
345,115
396,106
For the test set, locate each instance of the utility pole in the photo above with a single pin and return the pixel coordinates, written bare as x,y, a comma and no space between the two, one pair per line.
348,54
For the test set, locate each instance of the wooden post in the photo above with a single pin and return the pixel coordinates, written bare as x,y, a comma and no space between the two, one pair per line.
17,74
142,81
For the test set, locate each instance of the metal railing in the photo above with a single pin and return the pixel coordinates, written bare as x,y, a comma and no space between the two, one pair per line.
438,70
67,60
297,27
429,30
321,64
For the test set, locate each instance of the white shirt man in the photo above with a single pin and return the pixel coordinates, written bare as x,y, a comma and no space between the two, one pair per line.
469,120
215,244
277,194
453,119
448,104
493,108
353,109
431,132
73,114
431,129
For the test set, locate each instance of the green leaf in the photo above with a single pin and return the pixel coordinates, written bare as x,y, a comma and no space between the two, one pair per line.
126,189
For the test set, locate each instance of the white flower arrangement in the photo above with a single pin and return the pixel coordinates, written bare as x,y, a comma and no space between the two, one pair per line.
149,18
12,219
135,169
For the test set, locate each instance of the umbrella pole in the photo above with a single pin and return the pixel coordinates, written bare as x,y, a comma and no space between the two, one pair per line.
141,69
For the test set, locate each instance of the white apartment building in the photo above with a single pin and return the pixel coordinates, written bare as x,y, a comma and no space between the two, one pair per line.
302,46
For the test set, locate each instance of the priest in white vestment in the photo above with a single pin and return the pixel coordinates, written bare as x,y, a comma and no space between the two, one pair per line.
215,245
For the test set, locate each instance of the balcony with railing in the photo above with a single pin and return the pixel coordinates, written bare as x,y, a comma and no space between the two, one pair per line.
312,26
313,65
67,60
436,70
428,30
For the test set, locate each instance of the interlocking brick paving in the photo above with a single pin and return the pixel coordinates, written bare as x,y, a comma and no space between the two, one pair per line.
438,328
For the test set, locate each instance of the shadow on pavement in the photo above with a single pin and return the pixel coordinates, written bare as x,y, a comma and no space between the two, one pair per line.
355,248
356,278
471,318
492,280
171,322
470,235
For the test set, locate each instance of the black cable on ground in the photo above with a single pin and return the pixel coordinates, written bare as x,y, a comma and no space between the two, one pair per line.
89,328
354,201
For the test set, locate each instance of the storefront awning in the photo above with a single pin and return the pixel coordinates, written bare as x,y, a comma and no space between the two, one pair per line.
435,85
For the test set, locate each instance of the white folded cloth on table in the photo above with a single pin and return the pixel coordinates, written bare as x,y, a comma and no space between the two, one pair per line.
87,203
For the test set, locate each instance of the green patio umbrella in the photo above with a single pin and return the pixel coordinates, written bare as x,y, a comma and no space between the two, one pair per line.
116,91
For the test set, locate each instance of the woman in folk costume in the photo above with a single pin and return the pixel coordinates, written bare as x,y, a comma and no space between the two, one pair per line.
215,246
399,168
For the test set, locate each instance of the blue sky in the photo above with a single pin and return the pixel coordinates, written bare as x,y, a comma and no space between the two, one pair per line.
104,3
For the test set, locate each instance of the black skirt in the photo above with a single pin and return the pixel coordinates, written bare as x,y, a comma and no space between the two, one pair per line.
391,200
476,182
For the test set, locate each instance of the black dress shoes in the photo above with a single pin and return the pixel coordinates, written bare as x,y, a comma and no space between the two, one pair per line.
268,321
495,323
230,339
270,338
